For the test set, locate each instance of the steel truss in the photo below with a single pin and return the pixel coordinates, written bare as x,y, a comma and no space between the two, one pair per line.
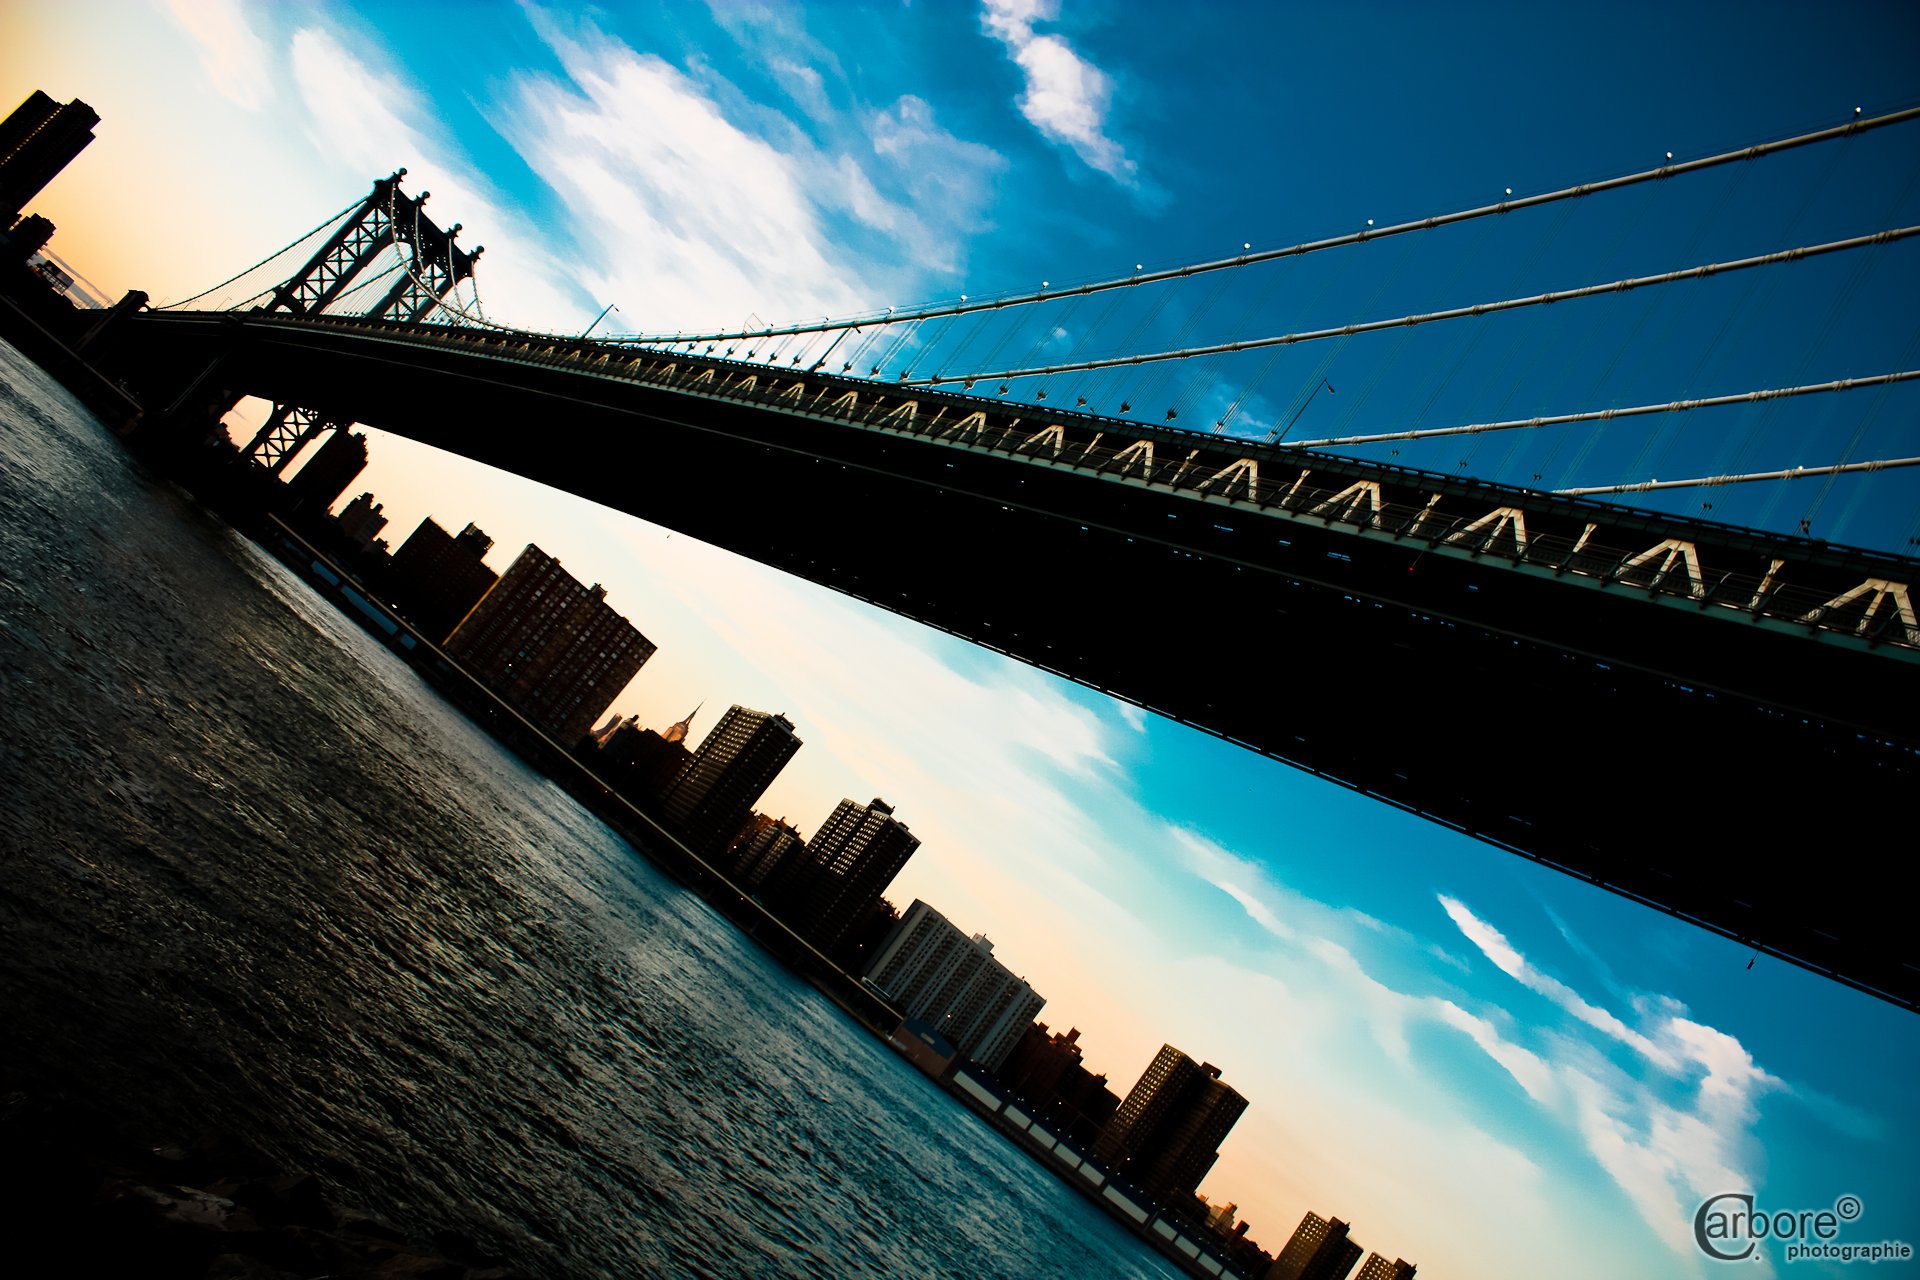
387,218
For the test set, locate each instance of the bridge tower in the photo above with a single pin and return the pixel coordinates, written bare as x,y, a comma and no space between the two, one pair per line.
388,217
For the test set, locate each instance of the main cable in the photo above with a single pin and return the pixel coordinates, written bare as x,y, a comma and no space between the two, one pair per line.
1456,313
269,258
1790,473
1604,415
1671,170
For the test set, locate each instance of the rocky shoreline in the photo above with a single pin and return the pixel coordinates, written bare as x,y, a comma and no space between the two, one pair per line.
88,1199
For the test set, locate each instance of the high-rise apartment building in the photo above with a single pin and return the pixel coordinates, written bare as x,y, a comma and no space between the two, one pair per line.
1378,1268
37,141
438,577
714,795
1319,1250
847,865
328,470
550,646
1167,1133
936,974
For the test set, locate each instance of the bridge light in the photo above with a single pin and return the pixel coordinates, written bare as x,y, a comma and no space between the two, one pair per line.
1669,155
1246,244
1509,190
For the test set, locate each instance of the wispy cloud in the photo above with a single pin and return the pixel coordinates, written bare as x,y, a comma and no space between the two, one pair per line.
1667,1137
233,57
1066,97
692,205
1494,945
1247,883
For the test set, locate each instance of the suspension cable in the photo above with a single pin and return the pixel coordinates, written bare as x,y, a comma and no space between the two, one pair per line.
438,301
269,258
1791,473
1604,415
1456,313
1511,205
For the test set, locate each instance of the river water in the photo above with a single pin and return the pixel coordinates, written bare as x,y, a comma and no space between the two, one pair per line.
256,877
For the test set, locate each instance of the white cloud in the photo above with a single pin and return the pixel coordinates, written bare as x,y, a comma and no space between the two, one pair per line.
1347,1082
235,60
1066,96
694,207
1494,945
1532,1072
1245,882
1668,1139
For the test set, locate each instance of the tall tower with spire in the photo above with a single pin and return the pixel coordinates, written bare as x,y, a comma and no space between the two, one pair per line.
677,731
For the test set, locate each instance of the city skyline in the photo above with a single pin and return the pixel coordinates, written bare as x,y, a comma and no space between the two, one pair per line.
1590,1060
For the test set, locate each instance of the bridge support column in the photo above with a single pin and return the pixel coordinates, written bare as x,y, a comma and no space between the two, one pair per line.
287,431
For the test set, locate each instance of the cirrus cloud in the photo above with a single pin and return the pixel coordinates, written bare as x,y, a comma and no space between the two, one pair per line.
1067,97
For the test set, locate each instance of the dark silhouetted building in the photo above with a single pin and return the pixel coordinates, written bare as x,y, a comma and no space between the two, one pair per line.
361,520
863,939
327,472
1167,1133
768,844
847,865
36,142
1046,1073
640,763
437,577
550,646
935,974
27,237
1378,1268
714,795
1319,1250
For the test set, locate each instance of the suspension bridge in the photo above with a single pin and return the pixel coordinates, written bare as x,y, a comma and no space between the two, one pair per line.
1712,716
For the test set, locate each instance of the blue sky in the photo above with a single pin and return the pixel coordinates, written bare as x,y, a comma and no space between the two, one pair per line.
1482,1065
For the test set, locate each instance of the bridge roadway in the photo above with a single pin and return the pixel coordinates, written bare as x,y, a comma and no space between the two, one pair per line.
1716,722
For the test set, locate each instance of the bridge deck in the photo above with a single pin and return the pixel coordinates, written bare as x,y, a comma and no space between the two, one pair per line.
1716,722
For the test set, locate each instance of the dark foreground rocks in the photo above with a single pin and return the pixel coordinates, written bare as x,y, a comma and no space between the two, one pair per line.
79,1199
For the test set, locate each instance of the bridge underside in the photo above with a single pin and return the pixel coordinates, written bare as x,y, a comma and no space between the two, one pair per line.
1753,780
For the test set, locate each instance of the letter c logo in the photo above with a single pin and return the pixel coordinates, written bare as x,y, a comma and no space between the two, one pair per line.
1705,1216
